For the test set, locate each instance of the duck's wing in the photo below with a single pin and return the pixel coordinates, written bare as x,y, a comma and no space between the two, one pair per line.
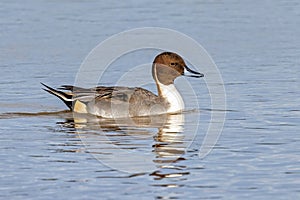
123,102
93,100
70,94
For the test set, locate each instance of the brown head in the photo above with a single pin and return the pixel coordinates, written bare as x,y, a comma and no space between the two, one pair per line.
167,66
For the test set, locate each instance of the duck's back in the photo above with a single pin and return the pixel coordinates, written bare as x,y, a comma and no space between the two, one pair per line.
116,102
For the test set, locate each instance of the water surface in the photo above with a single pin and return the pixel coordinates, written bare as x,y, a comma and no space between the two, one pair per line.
46,153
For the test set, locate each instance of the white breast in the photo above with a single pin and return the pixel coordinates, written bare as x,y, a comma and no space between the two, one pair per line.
171,94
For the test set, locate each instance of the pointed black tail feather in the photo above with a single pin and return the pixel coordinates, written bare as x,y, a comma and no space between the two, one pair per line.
65,97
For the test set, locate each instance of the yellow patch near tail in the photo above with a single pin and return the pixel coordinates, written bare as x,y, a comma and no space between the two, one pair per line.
79,107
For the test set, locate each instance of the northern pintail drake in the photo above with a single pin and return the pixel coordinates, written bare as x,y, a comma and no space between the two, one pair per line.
119,102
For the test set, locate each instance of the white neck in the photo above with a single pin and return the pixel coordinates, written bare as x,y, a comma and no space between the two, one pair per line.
172,96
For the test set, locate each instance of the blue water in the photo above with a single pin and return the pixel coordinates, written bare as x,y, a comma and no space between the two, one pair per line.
256,47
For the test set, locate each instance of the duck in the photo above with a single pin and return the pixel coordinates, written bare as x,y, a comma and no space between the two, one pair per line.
123,102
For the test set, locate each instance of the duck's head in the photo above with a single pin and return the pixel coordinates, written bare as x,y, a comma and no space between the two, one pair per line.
167,66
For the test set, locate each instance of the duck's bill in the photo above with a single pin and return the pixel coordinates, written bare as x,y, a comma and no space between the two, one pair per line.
193,73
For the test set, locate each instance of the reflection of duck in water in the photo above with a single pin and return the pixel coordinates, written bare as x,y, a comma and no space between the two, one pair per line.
170,146
169,139
133,145
117,102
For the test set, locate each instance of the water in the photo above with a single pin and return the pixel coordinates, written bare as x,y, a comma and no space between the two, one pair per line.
256,48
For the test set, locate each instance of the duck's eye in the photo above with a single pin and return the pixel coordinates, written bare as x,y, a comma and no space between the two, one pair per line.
173,64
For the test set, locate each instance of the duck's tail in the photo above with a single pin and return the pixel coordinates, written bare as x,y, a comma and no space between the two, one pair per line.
66,97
